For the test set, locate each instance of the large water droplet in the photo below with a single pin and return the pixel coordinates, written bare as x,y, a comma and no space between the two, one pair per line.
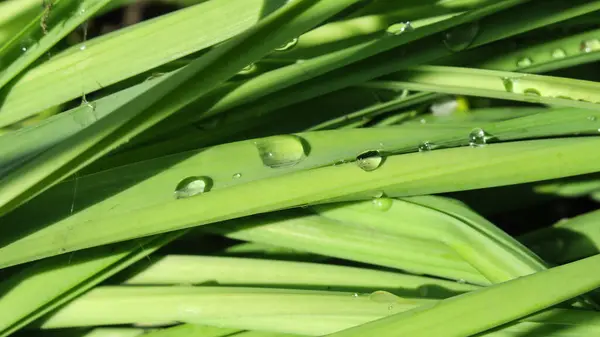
281,151
559,53
478,137
461,37
508,83
289,45
399,28
524,62
382,204
369,160
589,46
381,296
426,146
191,186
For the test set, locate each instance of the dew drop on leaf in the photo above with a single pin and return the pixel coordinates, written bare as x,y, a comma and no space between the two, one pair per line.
281,151
399,28
559,53
508,83
369,160
237,176
461,37
588,46
381,296
478,137
191,186
524,62
532,92
426,147
382,204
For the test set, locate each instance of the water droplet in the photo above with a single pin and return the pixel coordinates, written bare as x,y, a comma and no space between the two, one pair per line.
592,118
26,44
382,204
589,46
390,307
377,194
509,84
237,176
281,151
289,45
559,53
524,62
461,281
381,296
478,137
423,290
82,47
192,186
369,160
426,146
399,28
423,121
249,69
531,92
461,37
355,295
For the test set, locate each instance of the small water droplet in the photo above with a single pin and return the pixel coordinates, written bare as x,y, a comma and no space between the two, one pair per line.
592,118
26,44
524,62
369,160
559,53
355,295
191,186
249,69
461,281
390,307
423,121
423,290
399,28
478,137
532,92
82,47
237,176
281,151
461,37
509,84
426,146
382,204
589,46
289,45
381,296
